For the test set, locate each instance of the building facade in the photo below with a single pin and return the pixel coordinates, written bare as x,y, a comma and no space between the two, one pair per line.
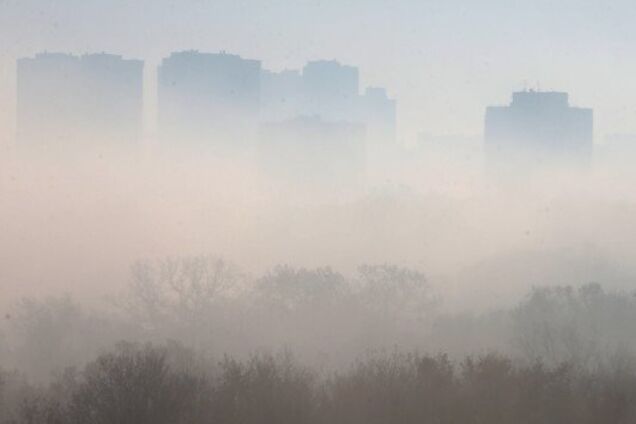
538,129
89,100
212,99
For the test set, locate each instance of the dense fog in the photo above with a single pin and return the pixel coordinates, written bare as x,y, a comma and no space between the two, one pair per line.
216,255
317,212
77,226
201,274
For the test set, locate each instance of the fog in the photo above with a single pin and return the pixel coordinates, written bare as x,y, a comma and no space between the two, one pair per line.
82,226
317,212
208,254
76,226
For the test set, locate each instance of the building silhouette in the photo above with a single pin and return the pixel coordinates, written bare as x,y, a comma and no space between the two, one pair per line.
281,95
93,100
378,113
212,99
318,129
538,129
204,99
331,91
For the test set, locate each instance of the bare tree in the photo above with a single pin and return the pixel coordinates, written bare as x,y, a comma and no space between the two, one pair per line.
185,299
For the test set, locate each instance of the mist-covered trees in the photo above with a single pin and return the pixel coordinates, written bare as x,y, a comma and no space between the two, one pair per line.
586,326
564,354
43,335
323,316
189,299
286,289
264,389
133,386
144,384
396,292
12,391
211,305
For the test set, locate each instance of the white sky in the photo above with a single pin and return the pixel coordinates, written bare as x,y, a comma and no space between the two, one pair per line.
445,60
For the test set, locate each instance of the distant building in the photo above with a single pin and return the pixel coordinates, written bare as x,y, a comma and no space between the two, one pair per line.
331,91
538,128
378,113
318,129
281,95
208,98
88,100
310,150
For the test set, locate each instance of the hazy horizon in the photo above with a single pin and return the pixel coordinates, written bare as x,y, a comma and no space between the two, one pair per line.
443,61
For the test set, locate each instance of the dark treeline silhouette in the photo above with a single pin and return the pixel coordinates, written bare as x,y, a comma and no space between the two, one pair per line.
136,384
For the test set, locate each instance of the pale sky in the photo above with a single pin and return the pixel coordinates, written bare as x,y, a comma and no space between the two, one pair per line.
444,60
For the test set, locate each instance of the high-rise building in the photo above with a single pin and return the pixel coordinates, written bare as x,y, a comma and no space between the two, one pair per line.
318,128
378,113
331,91
90,100
538,128
208,98
281,95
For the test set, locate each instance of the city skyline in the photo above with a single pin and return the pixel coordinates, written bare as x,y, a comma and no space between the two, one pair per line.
201,97
196,89
224,101
152,86
444,60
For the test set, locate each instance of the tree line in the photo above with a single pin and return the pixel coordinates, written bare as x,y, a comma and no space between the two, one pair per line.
146,384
